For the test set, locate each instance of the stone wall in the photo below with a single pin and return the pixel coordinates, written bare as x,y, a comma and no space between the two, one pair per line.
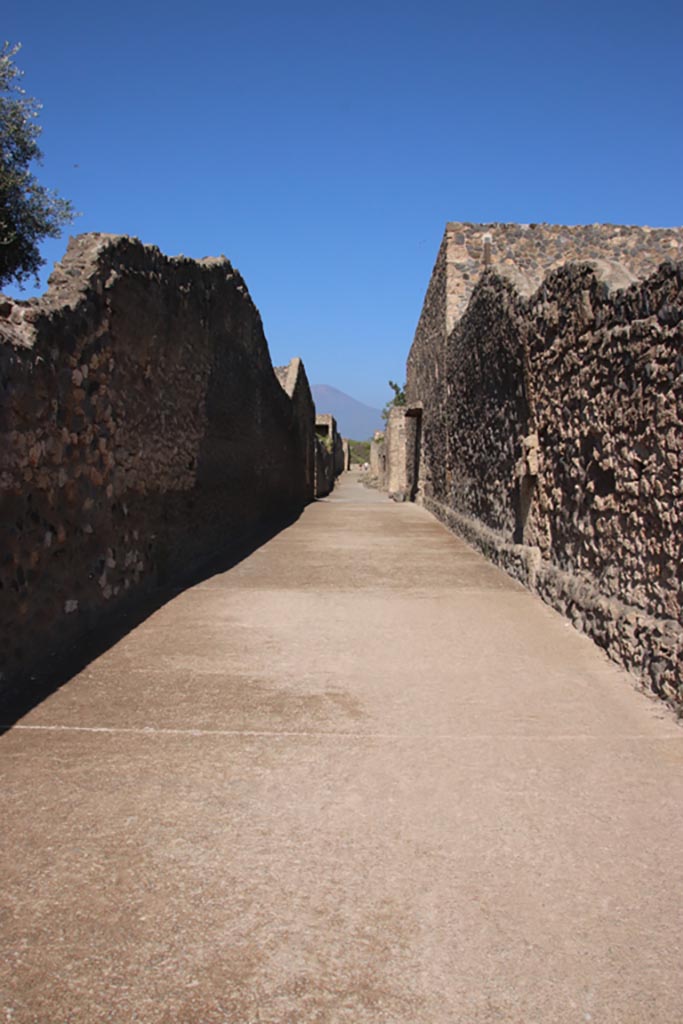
552,439
426,370
378,461
401,444
525,253
329,454
294,382
142,429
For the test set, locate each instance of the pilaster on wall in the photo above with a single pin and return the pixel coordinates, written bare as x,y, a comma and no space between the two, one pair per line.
401,449
378,460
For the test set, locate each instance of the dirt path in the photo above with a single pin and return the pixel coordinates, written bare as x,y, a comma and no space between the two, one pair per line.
361,777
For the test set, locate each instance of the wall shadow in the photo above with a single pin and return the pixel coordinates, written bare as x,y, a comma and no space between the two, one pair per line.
51,673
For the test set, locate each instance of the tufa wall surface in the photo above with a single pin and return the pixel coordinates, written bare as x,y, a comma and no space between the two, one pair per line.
378,461
142,429
346,454
294,382
401,442
525,253
329,453
552,429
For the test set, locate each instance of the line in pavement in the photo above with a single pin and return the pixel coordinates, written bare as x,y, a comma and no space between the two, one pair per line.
149,730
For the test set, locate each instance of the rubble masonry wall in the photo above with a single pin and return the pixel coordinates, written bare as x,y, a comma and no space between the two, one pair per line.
552,439
142,429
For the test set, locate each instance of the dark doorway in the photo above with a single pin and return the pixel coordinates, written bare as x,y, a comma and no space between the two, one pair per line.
413,450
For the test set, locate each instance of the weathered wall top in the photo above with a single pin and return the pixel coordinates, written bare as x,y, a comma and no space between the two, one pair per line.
92,265
142,430
524,253
292,376
548,363
325,423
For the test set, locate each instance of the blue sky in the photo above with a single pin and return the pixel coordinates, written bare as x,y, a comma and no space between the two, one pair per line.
323,149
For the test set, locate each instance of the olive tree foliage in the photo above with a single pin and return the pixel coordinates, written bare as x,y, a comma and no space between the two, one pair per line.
29,212
398,399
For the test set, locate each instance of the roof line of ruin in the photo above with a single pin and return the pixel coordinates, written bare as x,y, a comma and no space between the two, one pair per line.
88,255
92,263
527,254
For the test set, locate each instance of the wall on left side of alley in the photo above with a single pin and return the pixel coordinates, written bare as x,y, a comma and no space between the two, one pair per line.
142,429
329,454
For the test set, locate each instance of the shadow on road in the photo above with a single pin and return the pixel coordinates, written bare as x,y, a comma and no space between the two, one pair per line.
53,671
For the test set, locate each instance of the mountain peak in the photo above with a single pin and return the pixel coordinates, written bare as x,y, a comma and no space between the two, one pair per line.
354,419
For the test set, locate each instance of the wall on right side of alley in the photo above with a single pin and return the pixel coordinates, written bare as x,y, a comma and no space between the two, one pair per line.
552,439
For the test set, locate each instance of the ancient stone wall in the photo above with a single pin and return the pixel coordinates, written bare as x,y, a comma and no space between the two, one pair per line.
329,454
346,454
142,428
324,477
401,441
607,506
560,426
378,461
525,253
294,381
426,372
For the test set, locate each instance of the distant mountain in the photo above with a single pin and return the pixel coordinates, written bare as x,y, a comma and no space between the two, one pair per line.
354,420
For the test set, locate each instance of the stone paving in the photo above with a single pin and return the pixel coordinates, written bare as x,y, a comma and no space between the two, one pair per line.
361,777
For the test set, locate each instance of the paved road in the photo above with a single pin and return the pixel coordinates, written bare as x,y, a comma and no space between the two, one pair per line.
362,777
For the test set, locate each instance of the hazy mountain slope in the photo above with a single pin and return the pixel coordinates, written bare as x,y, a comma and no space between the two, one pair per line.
354,419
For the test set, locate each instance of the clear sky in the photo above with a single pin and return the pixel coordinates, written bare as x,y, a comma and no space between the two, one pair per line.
323,148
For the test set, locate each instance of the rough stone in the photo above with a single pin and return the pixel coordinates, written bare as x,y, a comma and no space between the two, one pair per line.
138,400
552,404
329,454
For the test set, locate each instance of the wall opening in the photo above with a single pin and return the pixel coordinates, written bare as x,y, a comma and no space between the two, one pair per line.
413,450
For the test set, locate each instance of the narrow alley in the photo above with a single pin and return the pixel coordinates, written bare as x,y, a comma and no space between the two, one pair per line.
361,777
